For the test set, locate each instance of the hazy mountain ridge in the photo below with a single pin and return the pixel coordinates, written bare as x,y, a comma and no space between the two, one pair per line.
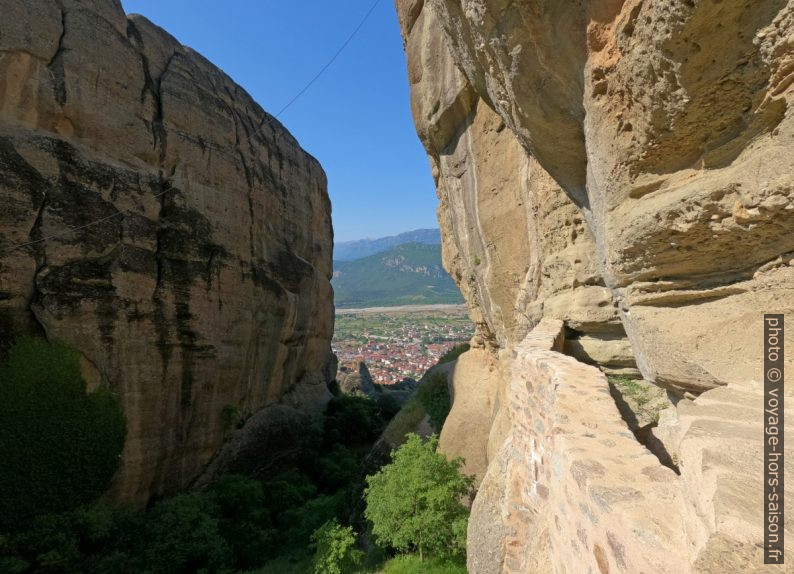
358,248
407,274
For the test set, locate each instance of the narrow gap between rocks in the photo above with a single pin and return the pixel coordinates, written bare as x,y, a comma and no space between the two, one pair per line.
639,402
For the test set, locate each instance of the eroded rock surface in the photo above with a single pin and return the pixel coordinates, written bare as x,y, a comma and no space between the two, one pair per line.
206,283
517,245
668,125
355,379
570,489
625,167
477,425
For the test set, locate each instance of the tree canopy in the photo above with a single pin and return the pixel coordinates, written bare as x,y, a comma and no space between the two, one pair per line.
59,445
415,502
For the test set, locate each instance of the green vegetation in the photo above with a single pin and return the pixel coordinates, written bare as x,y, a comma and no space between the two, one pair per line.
332,458
432,399
433,394
432,326
352,419
409,564
454,353
309,517
640,402
59,445
236,525
240,524
231,417
408,274
631,388
405,421
414,502
335,549
298,562
387,324
349,250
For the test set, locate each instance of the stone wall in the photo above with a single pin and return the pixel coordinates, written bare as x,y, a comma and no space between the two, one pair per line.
572,491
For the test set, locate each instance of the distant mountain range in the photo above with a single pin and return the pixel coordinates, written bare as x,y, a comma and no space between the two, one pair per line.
408,274
350,250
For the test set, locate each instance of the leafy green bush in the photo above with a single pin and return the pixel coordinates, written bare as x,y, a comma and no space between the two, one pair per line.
352,420
88,539
410,564
335,549
183,534
333,469
295,562
289,489
244,519
298,524
238,524
59,446
414,502
434,396
228,527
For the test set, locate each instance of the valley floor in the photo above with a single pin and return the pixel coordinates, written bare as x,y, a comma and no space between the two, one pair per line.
404,309
399,342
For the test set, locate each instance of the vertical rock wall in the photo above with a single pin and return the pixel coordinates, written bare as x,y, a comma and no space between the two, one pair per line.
676,149
624,167
205,285
514,241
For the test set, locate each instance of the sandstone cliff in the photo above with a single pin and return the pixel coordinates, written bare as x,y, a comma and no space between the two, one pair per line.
205,286
624,167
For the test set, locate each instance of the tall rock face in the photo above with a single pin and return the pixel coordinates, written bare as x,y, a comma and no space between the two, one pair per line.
624,167
517,245
203,286
670,134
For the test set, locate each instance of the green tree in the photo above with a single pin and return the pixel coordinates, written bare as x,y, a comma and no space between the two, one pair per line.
454,353
183,535
351,420
335,549
244,519
299,523
434,396
415,502
59,445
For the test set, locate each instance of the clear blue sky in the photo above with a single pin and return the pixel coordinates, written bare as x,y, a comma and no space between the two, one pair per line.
355,119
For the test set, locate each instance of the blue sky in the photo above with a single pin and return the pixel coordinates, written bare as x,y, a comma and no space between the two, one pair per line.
355,119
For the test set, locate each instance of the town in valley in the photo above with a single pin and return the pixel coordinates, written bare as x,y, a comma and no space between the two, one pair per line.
399,342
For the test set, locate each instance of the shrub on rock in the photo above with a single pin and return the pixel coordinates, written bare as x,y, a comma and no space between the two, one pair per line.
59,445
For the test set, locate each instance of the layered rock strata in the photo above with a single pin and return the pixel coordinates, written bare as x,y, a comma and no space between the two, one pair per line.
625,167
675,150
517,245
204,286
